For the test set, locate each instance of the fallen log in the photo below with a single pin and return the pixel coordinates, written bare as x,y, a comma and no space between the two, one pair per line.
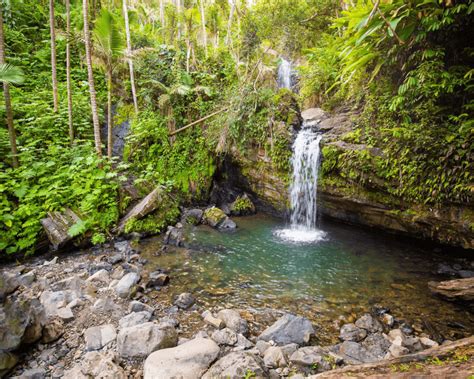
454,290
197,122
57,225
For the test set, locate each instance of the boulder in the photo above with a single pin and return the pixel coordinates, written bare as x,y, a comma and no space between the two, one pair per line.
227,224
233,321
187,361
52,330
308,356
138,306
134,318
274,357
126,285
243,343
65,314
184,300
157,279
52,301
242,206
428,343
313,115
236,365
213,321
350,332
174,236
225,337
454,290
369,323
192,216
57,226
377,345
139,341
355,353
214,216
396,350
96,365
100,277
7,362
99,336
9,282
289,329
34,373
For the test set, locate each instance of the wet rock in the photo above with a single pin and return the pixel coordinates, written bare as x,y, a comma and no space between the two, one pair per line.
96,365
192,216
184,300
377,344
214,216
99,336
174,236
236,365
134,318
369,323
355,353
52,331
466,273
212,321
289,329
308,356
225,337
139,341
313,115
138,306
126,285
233,321
158,279
350,332
7,362
274,357
187,361
454,290
227,224
242,206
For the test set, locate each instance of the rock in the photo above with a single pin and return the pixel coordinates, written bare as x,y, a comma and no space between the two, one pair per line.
213,321
149,204
174,236
7,362
227,224
214,216
187,361
34,373
52,331
57,226
428,343
96,365
99,336
65,314
369,323
243,343
454,290
413,344
308,356
377,344
101,276
466,273
397,350
141,340
184,300
52,301
242,206
225,337
107,306
313,115
26,279
125,286
350,332
192,216
289,329
396,334
138,306
274,357
355,353
233,321
236,365
134,318
9,282
388,320
169,321
262,346
158,279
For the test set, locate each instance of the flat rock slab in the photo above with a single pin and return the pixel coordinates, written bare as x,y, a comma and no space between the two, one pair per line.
289,329
187,361
458,289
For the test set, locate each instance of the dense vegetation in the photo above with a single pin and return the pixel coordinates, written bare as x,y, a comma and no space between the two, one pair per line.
405,66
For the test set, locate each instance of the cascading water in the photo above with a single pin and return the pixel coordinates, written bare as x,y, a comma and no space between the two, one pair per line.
303,190
284,74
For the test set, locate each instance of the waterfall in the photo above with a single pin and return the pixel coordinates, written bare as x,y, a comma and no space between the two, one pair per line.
284,74
304,189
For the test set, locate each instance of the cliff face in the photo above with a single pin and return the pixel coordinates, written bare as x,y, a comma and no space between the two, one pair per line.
350,201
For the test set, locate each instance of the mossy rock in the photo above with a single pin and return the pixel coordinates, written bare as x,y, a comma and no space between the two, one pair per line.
242,206
214,216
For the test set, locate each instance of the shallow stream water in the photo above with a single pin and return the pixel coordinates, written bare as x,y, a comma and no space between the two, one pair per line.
348,273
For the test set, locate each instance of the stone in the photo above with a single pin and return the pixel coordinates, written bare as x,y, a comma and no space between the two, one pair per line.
313,115
308,356
134,318
397,350
125,286
413,344
57,226
139,341
227,224
34,373
187,361
213,321
377,344
27,279
214,216
52,331
233,321
100,277
274,357
289,329
243,343
174,236
388,320
454,290
7,362
169,321
96,365
262,346
428,343
369,323
97,337
242,206
184,300
65,314
158,279
192,216
350,332
138,306
236,365
396,334
355,353
225,336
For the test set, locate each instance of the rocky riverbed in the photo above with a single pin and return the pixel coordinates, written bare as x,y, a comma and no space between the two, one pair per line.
103,313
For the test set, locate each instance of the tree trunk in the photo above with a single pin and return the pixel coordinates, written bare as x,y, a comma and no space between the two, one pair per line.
228,37
53,57
162,19
203,26
68,71
178,12
90,73
8,102
129,56
110,123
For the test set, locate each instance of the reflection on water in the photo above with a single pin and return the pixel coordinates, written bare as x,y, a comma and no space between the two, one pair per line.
347,273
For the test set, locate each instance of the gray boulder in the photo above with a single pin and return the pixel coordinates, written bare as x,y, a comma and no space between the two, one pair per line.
355,353
96,365
308,356
139,341
236,365
125,286
192,216
7,362
134,318
289,329
98,336
184,300
377,344
274,357
174,236
138,306
9,282
187,361
350,332
369,323
233,321
225,337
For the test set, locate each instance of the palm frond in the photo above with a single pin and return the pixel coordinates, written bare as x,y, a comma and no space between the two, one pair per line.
11,74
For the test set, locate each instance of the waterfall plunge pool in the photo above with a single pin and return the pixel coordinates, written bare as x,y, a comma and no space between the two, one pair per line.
346,274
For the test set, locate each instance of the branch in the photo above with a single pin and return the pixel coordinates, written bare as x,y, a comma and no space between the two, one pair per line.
376,7
197,121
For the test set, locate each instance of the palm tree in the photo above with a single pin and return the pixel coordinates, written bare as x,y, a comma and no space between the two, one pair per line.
129,52
53,57
203,25
90,73
108,50
6,93
68,71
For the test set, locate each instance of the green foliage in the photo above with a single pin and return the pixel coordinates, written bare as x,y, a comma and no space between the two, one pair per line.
11,74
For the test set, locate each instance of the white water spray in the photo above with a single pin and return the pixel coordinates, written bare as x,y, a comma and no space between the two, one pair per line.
284,74
304,188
